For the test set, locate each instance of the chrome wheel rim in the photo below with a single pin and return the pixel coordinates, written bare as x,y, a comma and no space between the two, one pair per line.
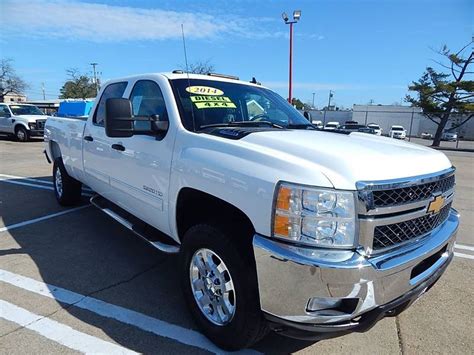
212,287
20,134
59,182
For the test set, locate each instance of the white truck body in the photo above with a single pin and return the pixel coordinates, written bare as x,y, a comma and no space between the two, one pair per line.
148,177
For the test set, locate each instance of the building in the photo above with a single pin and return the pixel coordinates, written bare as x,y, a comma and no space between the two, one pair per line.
47,106
12,97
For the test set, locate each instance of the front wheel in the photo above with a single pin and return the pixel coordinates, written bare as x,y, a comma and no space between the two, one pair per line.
21,134
67,189
220,288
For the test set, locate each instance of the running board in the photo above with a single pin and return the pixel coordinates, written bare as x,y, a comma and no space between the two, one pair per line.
148,233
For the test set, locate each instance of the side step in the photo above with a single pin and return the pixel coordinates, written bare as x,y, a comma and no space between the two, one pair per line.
150,234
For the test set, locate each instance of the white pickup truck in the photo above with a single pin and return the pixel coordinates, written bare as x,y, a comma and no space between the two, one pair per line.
279,226
21,120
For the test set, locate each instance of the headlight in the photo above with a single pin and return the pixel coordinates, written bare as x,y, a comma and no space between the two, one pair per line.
32,125
317,217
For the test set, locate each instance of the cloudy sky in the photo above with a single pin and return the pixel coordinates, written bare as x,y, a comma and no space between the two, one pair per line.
361,49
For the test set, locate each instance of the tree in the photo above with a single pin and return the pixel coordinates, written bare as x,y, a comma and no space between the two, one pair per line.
297,103
79,86
10,82
441,94
200,67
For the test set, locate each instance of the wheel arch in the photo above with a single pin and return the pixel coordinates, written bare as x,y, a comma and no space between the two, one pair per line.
195,207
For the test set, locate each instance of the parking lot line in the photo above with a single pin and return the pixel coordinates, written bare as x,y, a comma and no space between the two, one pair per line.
46,182
465,256
37,183
462,246
108,310
15,182
58,332
39,219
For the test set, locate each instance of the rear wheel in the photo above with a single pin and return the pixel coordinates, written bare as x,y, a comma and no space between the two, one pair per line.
220,288
21,134
67,189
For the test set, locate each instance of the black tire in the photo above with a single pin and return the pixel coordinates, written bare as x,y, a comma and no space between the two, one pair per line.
66,189
21,134
247,325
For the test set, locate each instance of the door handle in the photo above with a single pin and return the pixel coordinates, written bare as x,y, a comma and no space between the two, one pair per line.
88,138
118,147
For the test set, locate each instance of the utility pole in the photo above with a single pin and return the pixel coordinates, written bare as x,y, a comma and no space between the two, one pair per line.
313,98
95,77
330,97
42,89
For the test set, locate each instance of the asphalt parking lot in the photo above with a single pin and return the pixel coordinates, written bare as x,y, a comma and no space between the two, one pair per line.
76,276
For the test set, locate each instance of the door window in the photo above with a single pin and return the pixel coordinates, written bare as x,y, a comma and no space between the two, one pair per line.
113,91
4,112
147,100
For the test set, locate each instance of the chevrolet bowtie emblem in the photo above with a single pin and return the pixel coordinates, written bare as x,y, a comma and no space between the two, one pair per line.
435,205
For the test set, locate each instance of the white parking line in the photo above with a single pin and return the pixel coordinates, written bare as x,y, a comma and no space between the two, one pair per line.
39,219
465,247
26,179
58,332
121,314
465,256
15,182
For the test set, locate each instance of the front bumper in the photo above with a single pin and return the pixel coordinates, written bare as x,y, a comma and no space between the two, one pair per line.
314,293
36,132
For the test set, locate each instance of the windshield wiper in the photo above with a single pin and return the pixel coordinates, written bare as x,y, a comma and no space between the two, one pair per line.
241,123
301,126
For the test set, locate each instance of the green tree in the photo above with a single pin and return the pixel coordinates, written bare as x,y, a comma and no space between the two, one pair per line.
78,86
441,94
297,103
10,82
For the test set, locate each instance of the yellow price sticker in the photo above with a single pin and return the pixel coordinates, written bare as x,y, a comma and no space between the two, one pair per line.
204,90
216,104
210,99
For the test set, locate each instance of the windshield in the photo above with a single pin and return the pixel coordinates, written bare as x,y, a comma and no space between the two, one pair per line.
208,102
397,129
18,110
374,126
331,125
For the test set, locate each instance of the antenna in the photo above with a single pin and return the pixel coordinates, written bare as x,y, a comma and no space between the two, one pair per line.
187,73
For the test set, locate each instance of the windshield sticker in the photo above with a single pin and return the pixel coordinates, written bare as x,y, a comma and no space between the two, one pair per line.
212,102
204,90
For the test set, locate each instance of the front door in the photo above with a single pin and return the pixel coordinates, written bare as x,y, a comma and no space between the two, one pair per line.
5,119
139,175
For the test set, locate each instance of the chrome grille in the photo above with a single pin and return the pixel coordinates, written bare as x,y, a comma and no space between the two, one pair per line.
396,233
40,124
393,197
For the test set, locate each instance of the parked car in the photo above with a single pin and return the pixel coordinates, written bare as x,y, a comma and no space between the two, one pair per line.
279,226
449,136
426,135
330,126
376,128
348,128
318,124
21,120
398,132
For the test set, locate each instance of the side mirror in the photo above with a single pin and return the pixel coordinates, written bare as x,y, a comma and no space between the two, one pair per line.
118,118
120,122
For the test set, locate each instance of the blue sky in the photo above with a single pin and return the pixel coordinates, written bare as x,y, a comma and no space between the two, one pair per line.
361,49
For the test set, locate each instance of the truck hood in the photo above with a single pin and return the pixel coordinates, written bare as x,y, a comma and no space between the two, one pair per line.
347,159
30,118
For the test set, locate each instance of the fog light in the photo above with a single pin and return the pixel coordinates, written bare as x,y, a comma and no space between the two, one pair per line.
333,306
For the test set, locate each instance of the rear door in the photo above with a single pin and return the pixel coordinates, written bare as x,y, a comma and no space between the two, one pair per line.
97,151
139,175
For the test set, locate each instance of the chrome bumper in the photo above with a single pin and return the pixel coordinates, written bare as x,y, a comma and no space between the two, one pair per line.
330,289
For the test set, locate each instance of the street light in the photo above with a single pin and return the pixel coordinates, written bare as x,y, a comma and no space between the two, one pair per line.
296,18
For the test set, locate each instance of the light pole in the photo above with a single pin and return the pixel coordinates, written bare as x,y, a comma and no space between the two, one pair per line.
296,17
313,98
327,108
95,78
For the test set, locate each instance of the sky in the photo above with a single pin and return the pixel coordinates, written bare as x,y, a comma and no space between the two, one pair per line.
363,50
